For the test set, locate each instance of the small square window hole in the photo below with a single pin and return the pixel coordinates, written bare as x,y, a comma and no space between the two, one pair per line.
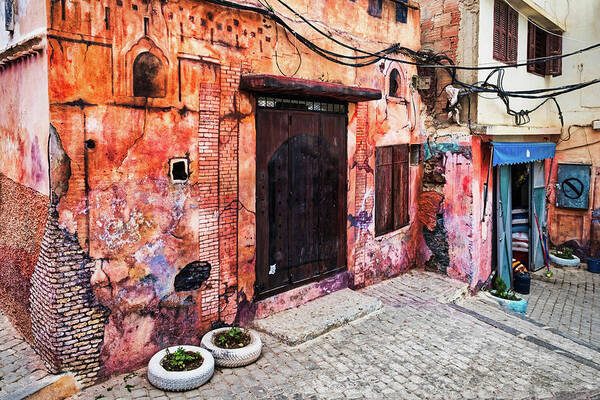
179,170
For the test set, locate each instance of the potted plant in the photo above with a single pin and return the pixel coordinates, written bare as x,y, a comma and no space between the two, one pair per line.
507,298
180,368
564,257
233,347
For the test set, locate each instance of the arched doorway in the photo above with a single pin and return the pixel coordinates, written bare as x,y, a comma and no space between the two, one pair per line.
301,197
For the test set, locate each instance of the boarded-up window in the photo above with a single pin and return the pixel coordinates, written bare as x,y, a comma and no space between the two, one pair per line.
391,188
542,44
506,32
375,7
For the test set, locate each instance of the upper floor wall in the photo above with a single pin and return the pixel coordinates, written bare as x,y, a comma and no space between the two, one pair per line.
100,42
20,19
24,111
578,20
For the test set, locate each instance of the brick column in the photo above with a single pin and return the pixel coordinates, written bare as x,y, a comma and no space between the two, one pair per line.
228,189
208,201
66,320
361,204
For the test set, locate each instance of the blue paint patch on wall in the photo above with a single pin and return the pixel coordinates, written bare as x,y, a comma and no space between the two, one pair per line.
433,149
361,221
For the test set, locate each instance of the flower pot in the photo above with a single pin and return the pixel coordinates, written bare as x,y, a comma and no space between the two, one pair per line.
178,381
518,306
564,263
233,357
593,265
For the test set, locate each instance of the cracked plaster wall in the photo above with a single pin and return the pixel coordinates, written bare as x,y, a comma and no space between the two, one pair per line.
138,227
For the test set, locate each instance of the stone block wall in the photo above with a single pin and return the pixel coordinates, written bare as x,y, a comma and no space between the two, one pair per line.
67,321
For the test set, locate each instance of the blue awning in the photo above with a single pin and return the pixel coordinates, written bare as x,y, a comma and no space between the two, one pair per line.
517,153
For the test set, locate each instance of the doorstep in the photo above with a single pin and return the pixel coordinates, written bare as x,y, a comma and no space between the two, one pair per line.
310,320
51,387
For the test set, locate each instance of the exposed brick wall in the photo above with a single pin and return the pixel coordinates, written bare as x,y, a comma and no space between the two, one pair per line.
23,214
228,188
440,26
362,206
208,202
67,321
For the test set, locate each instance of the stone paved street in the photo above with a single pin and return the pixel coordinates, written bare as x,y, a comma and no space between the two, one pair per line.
418,346
568,301
19,364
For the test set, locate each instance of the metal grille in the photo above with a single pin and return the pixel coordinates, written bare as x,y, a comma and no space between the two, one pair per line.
283,103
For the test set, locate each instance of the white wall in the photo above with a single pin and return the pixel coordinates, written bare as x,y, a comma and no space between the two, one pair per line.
24,104
581,18
30,18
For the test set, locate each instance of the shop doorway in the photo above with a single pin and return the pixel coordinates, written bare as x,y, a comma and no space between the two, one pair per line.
520,216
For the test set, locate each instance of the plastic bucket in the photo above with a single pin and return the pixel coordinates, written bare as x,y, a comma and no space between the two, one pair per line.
594,265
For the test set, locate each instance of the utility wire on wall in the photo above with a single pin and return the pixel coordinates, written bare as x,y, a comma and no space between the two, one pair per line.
427,59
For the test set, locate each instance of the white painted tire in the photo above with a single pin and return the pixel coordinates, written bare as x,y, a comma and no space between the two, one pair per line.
179,381
564,263
233,357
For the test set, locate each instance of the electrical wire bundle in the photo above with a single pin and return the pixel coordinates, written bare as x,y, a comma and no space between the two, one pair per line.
425,59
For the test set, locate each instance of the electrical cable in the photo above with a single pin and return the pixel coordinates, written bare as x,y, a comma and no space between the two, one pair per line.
382,54
426,59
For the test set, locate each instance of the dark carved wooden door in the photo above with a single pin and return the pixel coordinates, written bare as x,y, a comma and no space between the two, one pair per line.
301,198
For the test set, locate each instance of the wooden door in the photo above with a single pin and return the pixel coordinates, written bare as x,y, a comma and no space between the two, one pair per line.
301,198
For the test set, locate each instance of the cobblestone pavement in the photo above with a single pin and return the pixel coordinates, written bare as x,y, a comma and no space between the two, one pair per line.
568,301
19,364
419,346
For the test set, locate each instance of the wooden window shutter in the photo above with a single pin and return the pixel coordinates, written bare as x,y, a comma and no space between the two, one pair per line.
401,180
375,7
500,24
531,46
554,48
512,34
384,217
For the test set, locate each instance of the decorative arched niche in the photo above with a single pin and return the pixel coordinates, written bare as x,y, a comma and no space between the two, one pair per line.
395,83
149,76
143,70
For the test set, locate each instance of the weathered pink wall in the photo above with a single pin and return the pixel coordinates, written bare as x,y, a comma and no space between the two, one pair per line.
24,122
142,230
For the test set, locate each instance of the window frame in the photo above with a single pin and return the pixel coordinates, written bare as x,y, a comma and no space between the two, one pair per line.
505,33
401,12
399,192
375,8
552,46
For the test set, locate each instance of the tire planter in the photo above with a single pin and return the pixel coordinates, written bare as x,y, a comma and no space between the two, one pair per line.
519,306
233,357
178,381
564,263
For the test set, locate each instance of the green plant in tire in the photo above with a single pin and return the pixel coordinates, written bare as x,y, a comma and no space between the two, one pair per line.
566,253
181,360
232,338
501,290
